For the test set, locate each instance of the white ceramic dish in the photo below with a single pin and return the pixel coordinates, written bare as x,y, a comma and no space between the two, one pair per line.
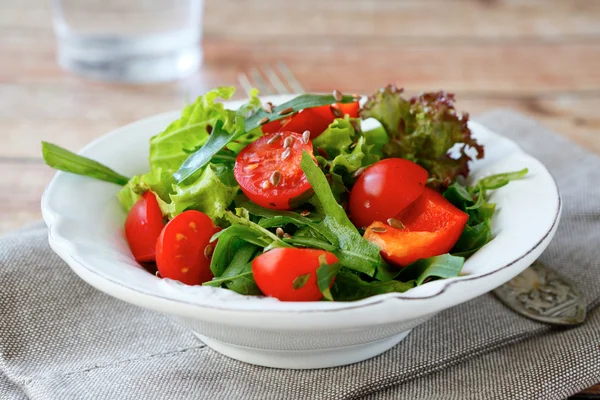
86,229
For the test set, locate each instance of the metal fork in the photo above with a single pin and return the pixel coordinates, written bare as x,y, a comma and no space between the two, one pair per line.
270,80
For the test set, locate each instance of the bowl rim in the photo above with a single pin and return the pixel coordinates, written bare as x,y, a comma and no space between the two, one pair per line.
62,245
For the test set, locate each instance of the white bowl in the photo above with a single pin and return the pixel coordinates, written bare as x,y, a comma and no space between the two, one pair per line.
85,225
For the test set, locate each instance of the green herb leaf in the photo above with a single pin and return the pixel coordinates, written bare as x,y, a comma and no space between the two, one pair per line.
298,103
499,180
326,273
219,137
348,286
310,242
216,141
64,160
300,281
444,266
358,254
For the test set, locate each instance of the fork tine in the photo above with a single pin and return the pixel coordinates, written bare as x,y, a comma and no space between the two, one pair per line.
289,76
244,83
259,81
275,80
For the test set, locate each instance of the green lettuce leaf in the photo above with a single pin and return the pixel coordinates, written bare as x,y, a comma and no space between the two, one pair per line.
209,190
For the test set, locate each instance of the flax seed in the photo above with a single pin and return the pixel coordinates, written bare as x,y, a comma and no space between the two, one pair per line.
337,95
378,229
306,137
263,120
279,232
286,111
394,223
275,178
274,139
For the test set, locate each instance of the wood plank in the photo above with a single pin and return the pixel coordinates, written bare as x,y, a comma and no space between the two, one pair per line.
379,19
516,68
22,186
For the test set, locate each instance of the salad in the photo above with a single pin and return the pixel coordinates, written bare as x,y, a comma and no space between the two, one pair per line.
296,201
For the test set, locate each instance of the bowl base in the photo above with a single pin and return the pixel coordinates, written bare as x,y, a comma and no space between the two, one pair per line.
307,359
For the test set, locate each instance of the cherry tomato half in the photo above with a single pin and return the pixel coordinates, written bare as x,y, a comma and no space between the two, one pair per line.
385,189
269,173
181,248
432,226
276,270
142,227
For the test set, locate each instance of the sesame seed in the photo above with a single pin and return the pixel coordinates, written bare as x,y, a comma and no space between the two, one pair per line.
306,137
353,145
286,111
394,223
275,178
337,95
193,226
288,142
273,139
378,229
157,274
336,111
208,250
179,237
286,154
249,114
265,185
287,236
279,232
263,120
250,167
185,270
358,172
304,213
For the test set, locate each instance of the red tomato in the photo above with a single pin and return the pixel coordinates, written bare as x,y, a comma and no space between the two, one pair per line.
142,227
432,227
317,119
274,126
385,189
270,175
180,248
276,270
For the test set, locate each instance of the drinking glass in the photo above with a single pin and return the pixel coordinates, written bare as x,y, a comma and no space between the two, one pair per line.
138,41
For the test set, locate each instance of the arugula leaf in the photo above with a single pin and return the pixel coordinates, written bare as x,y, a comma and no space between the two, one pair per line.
473,238
64,160
235,277
348,286
242,283
499,180
310,242
444,266
358,254
473,201
326,273
239,127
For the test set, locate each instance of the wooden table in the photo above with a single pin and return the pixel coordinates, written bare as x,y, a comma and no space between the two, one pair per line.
538,57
